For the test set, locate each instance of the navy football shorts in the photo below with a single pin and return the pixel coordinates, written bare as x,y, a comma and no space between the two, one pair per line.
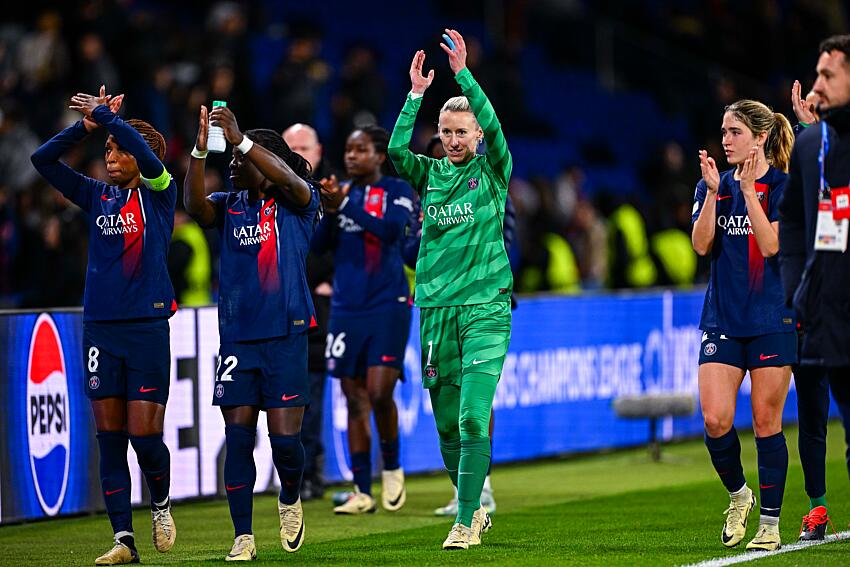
355,343
747,353
269,373
127,359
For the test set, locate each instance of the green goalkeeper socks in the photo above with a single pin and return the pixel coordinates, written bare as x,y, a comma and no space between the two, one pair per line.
474,461
451,457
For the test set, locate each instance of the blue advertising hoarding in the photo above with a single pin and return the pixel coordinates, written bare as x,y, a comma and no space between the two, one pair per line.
569,358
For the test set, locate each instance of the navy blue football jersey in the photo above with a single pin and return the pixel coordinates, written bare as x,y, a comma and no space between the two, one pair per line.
366,236
263,283
744,296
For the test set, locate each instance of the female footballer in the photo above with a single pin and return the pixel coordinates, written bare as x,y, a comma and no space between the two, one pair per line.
463,277
746,325
370,308
127,303
264,312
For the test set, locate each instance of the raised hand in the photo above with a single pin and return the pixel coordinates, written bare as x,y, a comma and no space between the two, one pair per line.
224,117
747,173
203,130
709,172
456,50
418,82
333,193
113,103
801,108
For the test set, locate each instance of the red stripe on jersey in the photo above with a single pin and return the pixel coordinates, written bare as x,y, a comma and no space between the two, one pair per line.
133,241
373,203
267,260
756,260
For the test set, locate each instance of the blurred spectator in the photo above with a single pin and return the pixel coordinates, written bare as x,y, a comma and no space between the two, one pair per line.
17,143
95,67
297,80
589,238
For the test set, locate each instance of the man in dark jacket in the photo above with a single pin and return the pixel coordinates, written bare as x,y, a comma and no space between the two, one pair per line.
816,279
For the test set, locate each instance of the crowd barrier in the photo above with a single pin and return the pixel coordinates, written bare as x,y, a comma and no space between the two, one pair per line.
569,358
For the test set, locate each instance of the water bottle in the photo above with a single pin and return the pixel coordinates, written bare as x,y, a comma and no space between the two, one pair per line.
215,139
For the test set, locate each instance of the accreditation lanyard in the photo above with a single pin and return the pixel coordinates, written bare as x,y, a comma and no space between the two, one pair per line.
833,206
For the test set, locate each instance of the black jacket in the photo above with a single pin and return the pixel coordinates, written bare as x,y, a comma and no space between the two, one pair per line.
817,285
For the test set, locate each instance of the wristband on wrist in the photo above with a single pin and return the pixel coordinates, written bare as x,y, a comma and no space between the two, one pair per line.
196,153
245,145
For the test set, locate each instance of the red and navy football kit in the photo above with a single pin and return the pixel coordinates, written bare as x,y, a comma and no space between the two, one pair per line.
128,296
370,306
744,318
264,307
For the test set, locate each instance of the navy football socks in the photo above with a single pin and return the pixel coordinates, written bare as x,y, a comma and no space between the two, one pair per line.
240,474
773,467
115,479
389,454
725,452
288,456
155,462
361,468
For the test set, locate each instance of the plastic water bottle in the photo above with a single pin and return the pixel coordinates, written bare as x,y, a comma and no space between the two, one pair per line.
215,138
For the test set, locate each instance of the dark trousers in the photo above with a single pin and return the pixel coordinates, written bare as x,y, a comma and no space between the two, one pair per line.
813,385
311,427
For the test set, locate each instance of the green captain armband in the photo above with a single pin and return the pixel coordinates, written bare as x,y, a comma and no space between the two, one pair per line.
160,183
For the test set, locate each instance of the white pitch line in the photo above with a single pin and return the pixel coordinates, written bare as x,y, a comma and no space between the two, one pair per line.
756,555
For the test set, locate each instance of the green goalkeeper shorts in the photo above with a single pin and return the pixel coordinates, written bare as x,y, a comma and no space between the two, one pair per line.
463,338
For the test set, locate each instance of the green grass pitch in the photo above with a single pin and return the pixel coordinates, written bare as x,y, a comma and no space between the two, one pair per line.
610,509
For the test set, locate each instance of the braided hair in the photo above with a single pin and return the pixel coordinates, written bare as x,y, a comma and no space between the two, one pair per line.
153,138
274,142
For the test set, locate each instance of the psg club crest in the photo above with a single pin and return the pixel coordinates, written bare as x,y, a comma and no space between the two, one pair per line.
431,371
219,390
268,210
472,183
760,195
94,383
710,349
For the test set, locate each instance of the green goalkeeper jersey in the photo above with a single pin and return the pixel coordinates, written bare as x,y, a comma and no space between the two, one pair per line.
462,258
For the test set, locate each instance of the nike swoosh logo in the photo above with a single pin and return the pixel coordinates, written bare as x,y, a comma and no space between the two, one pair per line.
144,390
232,212
294,543
396,501
764,486
286,398
434,188
721,197
478,361
386,358
111,492
460,473
767,356
237,487
105,198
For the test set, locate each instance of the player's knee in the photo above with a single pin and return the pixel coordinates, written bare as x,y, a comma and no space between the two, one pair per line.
473,425
381,401
151,450
358,406
766,421
716,424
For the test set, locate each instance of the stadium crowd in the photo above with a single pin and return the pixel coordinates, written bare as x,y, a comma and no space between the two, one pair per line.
570,237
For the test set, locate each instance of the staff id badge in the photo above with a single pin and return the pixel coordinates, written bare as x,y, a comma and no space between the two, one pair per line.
841,203
830,234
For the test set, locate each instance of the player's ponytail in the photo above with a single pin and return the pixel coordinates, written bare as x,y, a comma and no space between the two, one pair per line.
780,140
154,139
759,118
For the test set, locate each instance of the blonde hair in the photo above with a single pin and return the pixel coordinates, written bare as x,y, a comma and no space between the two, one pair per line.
760,118
458,104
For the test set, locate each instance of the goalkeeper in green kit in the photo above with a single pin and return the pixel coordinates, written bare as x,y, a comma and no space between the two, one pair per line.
463,277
